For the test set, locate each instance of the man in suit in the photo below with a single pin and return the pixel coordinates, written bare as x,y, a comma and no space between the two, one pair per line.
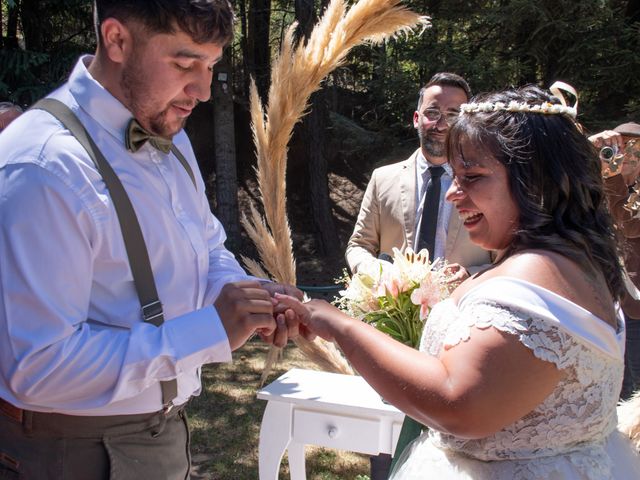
396,211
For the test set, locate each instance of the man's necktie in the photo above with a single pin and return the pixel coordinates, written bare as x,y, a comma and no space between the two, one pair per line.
429,222
136,137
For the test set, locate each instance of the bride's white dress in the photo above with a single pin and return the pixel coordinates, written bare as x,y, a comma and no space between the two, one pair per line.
572,434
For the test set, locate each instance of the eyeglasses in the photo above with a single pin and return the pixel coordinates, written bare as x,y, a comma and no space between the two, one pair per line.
434,115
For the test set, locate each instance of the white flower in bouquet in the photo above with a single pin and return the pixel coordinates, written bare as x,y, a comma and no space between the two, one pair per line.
397,297
360,296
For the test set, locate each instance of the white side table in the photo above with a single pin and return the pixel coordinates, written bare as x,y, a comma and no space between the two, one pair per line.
307,407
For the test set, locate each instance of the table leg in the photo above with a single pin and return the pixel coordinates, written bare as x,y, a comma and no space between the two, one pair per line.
275,435
295,451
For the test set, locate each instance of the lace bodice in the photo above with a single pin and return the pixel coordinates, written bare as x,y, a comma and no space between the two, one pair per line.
575,420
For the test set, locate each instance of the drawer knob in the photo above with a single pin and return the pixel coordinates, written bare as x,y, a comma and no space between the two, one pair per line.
332,432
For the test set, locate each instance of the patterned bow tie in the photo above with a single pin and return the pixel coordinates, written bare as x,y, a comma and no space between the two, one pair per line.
136,137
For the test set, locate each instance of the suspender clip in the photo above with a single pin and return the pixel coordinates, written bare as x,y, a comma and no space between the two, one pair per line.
153,313
167,408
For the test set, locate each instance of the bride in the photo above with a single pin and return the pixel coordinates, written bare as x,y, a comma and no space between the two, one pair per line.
519,371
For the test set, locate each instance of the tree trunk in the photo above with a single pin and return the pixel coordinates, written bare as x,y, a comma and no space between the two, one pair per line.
313,137
11,40
305,16
244,48
633,11
260,60
36,25
225,154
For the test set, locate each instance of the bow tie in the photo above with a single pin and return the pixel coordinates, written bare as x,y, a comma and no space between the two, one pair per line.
136,137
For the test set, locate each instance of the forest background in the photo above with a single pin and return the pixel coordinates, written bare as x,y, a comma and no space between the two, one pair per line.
362,116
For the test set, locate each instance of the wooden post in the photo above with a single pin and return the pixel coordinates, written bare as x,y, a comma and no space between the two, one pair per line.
225,154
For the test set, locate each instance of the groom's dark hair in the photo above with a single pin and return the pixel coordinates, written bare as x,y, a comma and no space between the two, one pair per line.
205,21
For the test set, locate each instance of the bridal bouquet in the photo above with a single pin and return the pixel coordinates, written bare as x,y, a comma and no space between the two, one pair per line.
396,298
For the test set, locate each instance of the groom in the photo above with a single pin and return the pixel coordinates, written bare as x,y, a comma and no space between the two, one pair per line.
88,390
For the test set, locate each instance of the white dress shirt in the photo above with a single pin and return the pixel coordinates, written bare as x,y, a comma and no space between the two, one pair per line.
72,339
444,209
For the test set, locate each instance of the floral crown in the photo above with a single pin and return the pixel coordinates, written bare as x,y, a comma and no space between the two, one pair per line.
543,108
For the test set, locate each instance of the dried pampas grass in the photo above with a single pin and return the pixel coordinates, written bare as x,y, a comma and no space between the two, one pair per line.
296,74
629,419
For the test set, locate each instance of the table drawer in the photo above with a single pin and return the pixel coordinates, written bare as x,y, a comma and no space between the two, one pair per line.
336,431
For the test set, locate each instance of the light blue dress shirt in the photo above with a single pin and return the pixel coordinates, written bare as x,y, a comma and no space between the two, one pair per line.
444,210
71,335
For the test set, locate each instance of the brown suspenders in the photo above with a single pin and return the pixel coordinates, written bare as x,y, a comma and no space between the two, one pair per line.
137,254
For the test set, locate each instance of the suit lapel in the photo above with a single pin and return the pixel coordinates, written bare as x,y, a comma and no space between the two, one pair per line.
408,196
453,229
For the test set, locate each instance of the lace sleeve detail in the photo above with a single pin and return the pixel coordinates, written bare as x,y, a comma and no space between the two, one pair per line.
563,436
546,339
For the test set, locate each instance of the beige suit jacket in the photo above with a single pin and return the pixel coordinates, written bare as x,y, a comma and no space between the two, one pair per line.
387,219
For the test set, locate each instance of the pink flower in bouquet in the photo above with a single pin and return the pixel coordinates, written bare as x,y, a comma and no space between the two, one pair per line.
427,294
391,283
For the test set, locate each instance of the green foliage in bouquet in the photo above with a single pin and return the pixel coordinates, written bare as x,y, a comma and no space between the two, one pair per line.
398,317
396,298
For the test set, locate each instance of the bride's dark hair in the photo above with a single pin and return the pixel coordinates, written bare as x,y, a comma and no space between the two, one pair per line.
555,179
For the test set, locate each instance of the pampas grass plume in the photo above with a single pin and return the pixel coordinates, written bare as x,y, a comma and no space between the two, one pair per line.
298,72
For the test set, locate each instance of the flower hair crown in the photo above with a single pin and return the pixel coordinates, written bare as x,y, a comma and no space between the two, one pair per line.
545,108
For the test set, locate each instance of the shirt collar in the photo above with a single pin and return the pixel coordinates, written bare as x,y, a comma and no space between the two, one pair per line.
423,165
96,100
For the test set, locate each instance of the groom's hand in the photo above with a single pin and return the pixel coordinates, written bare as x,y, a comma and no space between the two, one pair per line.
244,308
288,323
282,288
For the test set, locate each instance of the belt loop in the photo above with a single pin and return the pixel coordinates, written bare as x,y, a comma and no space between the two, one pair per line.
27,422
159,428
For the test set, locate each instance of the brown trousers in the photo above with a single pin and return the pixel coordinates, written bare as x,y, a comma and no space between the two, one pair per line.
49,446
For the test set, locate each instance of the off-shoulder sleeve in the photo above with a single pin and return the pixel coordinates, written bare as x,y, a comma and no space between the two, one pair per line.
553,328
547,341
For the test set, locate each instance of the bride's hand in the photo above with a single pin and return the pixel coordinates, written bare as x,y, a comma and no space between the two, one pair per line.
457,274
320,317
